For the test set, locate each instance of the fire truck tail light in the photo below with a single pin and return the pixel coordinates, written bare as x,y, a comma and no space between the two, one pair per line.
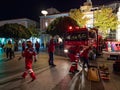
76,27
70,28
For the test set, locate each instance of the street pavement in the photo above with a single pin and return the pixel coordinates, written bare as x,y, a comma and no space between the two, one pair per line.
56,78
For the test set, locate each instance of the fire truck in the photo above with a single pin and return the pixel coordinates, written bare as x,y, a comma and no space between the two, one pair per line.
82,36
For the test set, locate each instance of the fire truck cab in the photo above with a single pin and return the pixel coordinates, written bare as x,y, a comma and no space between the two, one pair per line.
80,37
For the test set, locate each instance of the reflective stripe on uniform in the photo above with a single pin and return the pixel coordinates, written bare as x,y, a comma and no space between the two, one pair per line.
73,63
30,70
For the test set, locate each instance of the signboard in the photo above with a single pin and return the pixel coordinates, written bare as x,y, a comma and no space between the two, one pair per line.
77,36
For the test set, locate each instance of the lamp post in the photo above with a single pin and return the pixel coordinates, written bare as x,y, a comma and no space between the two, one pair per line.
98,46
44,12
93,13
93,16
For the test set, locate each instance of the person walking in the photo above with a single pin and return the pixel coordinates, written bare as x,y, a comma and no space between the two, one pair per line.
29,55
37,47
51,49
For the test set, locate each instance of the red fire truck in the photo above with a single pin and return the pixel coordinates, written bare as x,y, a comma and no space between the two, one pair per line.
82,36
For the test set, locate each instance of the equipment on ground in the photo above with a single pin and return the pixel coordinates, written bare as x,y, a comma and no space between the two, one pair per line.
104,72
116,66
93,74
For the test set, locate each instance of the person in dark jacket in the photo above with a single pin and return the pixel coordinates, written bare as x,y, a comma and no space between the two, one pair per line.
37,47
23,45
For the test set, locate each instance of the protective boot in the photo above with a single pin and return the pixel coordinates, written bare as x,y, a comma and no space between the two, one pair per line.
33,76
24,74
72,69
49,62
76,68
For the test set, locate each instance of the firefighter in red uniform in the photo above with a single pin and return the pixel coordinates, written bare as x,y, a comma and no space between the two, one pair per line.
73,51
29,53
51,49
84,55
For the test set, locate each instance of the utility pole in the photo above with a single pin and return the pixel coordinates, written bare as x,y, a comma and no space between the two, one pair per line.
89,1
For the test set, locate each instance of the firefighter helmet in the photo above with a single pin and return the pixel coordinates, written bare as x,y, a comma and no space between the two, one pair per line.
29,43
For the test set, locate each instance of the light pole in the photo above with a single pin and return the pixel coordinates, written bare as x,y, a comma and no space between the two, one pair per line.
93,13
44,12
93,17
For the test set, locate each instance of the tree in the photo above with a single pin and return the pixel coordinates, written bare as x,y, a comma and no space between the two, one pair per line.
78,16
60,25
105,19
15,31
33,30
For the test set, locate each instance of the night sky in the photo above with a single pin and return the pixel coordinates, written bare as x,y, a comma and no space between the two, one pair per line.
14,9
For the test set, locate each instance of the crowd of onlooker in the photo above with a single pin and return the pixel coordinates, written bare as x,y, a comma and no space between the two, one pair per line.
9,48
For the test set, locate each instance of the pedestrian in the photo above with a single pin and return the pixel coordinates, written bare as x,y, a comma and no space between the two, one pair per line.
12,50
112,46
85,56
74,58
42,45
8,48
23,45
37,47
51,49
15,46
29,55
109,46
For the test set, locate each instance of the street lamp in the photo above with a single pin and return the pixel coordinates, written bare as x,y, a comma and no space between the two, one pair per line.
93,12
44,12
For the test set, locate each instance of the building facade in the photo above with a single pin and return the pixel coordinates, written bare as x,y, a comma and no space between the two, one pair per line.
45,20
23,21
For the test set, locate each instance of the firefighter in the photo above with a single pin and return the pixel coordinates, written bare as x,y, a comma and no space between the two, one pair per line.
85,56
29,55
51,49
73,51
